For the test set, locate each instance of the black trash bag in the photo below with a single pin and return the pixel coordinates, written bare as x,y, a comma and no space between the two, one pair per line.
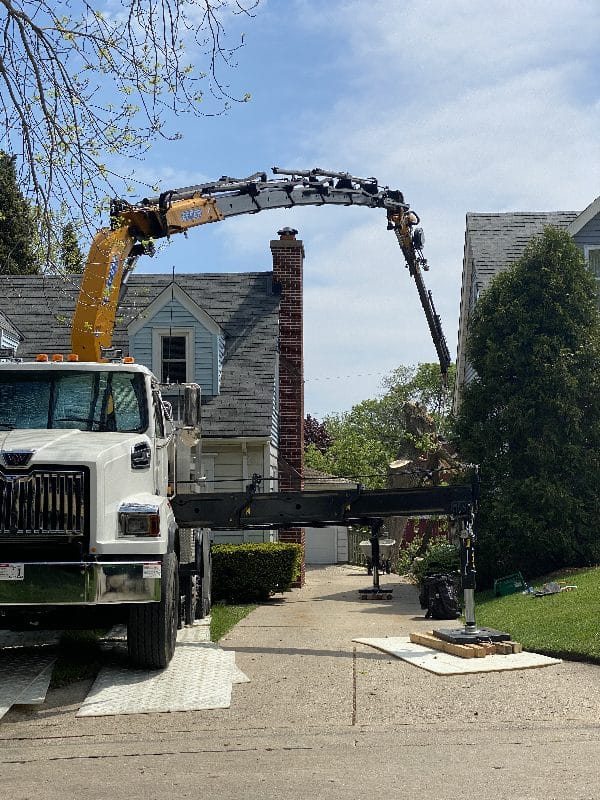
439,595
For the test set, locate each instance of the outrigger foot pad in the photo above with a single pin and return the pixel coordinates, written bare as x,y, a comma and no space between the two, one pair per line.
462,636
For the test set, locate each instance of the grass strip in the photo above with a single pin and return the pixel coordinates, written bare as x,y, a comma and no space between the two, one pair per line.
224,617
564,625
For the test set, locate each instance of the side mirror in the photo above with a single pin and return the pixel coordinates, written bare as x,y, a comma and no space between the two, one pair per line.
167,410
192,395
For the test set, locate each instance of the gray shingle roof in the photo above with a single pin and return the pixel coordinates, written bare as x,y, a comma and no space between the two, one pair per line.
242,304
497,240
492,243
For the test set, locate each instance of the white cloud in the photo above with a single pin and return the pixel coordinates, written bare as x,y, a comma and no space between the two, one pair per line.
464,106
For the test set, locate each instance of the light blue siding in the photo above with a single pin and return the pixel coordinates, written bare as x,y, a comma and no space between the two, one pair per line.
140,347
207,348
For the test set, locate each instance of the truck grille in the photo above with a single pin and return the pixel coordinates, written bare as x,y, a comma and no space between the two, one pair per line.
41,504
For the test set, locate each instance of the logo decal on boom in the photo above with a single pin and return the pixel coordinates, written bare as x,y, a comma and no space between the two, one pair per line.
191,214
114,266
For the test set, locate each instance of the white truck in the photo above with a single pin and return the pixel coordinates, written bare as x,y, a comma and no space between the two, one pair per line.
87,533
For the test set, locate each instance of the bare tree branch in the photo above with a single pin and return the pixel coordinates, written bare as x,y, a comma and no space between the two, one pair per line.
63,63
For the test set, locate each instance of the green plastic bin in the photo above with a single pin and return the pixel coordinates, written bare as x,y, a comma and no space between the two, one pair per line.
509,584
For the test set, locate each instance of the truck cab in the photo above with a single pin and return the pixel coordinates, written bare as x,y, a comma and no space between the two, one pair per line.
87,533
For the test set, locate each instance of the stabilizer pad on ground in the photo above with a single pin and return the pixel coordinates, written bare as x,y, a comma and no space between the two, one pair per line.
446,664
460,636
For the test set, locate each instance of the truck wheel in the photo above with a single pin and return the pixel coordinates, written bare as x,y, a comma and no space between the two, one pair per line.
152,627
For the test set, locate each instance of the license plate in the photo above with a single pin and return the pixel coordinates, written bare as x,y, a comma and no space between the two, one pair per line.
151,570
12,572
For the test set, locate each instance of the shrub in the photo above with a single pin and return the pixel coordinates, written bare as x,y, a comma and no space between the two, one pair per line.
440,557
406,555
246,573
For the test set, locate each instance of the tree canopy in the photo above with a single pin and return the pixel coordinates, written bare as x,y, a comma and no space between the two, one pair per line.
17,226
531,417
366,439
81,83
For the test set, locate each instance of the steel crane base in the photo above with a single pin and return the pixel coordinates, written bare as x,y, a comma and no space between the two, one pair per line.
374,593
461,636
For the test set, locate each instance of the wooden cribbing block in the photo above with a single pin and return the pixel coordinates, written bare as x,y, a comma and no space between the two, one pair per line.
462,650
475,650
517,647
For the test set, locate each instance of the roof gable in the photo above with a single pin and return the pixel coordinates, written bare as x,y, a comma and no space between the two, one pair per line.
169,293
587,215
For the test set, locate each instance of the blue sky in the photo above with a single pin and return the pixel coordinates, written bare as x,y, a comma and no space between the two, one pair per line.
463,106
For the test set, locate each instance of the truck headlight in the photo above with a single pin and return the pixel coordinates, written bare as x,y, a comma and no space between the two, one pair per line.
139,520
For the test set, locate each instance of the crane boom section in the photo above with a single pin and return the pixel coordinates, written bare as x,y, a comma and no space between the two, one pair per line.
133,227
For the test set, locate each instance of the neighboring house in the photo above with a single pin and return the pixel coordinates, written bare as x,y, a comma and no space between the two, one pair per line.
237,335
495,241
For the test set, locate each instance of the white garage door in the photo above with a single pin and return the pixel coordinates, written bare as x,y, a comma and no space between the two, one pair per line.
321,545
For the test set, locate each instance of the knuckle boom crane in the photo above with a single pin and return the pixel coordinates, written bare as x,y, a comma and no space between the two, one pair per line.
133,228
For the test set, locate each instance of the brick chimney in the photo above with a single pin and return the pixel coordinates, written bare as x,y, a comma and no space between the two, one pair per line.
288,259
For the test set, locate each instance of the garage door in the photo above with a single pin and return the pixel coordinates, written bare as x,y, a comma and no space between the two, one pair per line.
321,545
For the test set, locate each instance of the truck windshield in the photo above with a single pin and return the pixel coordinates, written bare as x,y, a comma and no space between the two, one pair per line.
88,401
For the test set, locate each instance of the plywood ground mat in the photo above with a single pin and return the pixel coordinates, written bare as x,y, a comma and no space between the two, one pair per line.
445,664
200,676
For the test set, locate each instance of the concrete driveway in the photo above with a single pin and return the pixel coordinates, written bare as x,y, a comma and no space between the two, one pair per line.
325,718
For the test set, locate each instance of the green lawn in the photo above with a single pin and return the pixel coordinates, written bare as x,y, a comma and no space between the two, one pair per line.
224,617
565,625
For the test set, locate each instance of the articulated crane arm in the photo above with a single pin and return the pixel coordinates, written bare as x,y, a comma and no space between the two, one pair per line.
133,228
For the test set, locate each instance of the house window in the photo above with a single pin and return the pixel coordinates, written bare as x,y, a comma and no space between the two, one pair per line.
173,355
173,361
593,259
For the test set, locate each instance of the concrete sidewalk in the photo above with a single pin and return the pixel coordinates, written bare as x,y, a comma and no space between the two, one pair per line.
325,718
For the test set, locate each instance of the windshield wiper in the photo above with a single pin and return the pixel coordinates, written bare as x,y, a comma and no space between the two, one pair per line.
6,426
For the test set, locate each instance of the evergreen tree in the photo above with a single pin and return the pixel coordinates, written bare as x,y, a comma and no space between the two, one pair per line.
71,257
531,417
17,226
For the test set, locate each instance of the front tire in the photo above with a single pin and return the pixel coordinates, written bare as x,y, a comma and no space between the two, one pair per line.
152,627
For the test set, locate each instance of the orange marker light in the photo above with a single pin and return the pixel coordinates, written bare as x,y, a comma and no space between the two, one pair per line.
72,357
41,357
57,357
129,360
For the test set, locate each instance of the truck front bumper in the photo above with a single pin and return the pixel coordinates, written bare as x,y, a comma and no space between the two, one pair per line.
81,583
